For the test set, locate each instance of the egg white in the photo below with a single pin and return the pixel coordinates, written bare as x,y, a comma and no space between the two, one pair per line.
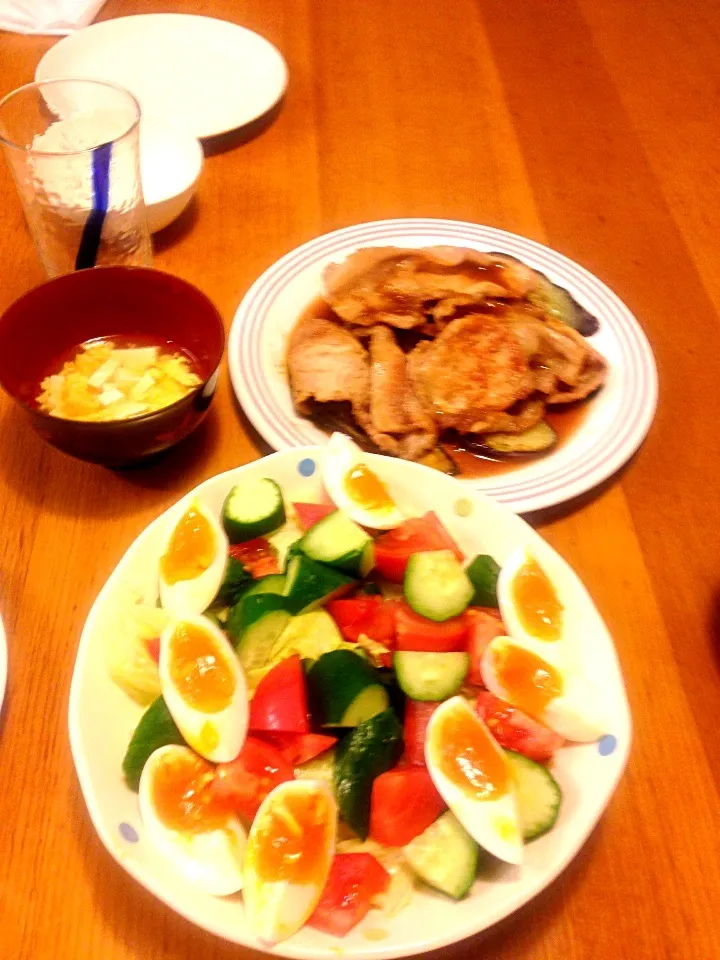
576,714
216,736
340,456
196,595
492,823
278,909
211,861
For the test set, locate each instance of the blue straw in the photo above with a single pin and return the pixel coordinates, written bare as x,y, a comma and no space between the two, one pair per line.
90,242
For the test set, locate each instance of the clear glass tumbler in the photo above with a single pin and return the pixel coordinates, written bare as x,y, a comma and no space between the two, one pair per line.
72,146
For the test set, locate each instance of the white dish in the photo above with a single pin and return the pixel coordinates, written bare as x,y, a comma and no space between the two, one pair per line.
102,718
618,417
207,75
171,161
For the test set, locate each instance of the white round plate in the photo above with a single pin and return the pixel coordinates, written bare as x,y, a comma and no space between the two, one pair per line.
102,719
618,417
208,76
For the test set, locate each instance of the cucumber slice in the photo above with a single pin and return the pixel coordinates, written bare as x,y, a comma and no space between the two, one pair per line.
252,509
339,542
272,584
309,584
538,795
483,573
430,676
372,748
345,690
445,856
436,586
263,618
156,729
236,582
321,767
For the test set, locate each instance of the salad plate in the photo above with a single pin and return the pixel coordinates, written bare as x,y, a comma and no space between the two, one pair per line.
102,719
617,417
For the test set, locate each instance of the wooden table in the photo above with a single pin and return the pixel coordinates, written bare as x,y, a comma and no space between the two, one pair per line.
590,126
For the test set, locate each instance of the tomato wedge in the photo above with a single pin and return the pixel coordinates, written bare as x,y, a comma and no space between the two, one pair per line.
308,514
243,783
280,701
153,648
417,717
370,615
258,557
298,748
483,625
417,535
355,878
515,730
403,803
413,632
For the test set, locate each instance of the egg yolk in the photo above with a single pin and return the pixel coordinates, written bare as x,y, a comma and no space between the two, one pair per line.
191,549
181,795
530,682
293,839
536,602
468,757
366,489
199,671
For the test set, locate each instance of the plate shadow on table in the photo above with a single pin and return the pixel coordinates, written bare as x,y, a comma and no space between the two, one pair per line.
264,449
236,138
178,229
123,901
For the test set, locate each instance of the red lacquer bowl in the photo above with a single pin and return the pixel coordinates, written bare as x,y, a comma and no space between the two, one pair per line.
102,302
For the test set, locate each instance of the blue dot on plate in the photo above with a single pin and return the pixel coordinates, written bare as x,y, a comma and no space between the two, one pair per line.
607,744
129,833
306,467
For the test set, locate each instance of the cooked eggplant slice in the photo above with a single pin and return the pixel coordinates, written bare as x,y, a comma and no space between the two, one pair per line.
438,459
537,439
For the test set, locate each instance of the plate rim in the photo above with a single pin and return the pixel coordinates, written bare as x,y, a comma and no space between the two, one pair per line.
522,496
42,73
373,951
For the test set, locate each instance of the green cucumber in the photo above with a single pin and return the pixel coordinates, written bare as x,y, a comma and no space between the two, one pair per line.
372,748
273,583
538,795
321,767
341,543
236,581
483,573
309,584
252,509
263,617
445,856
436,586
430,676
156,729
345,690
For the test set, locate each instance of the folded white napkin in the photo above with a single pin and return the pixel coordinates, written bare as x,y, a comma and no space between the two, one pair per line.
49,17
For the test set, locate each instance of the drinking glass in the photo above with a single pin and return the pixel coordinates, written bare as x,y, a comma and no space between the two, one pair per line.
72,146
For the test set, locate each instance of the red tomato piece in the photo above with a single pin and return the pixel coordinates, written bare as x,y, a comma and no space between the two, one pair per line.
280,701
308,514
298,748
243,783
413,632
257,556
153,648
403,803
515,730
370,615
483,626
417,717
355,878
417,535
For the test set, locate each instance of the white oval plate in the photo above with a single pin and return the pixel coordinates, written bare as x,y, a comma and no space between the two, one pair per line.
205,75
618,417
102,720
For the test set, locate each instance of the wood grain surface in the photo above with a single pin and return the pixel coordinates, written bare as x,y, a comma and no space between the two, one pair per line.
590,125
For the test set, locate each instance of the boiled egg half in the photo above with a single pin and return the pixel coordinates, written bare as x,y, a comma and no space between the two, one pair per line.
193,561
204,843
204,687
355,487
290,848
543,686
473,776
